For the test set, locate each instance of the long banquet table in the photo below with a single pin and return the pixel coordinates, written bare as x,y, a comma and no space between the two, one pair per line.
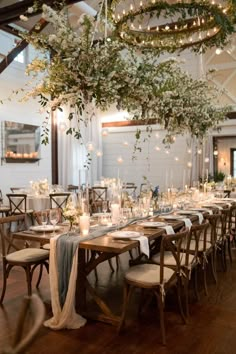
101,249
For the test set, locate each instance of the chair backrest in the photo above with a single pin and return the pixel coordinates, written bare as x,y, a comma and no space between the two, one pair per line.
233,218
15,189
99,194
37,215
72,188
31,317
226,220
58,200
17,203
6,225
214,221
199,233
174,244
129,189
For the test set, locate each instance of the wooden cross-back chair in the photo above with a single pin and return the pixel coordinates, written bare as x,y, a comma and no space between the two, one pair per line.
29,322
72,188
15,189
28,258
58,200
18,204
157,278
98,197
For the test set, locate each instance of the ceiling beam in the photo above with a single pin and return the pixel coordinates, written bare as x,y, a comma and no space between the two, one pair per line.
21,46
11,13
11,30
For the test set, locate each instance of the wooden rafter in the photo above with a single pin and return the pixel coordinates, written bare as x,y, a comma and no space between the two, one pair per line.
11,13
10,29
21,46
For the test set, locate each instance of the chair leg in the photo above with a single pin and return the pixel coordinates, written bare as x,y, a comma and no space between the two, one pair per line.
213,265
196,284
3,286
117,262
186,282
111,265
28,279
128,290
205,276
229,249
224,255
180,300
40,275
160,302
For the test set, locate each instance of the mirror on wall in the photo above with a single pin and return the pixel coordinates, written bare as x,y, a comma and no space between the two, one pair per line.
20,142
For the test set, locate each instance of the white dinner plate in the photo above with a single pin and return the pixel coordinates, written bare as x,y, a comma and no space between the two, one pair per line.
46,228
172,217
152,224
124,234
185,212
97,215
198,209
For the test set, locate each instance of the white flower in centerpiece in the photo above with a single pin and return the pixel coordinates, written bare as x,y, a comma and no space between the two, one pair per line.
23,18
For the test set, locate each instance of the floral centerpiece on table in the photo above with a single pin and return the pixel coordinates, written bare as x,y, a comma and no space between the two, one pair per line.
40,187
71,213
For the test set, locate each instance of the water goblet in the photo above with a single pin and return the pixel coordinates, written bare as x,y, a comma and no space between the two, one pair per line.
54,218
44,220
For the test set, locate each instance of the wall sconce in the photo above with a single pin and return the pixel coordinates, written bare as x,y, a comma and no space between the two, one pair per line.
215,153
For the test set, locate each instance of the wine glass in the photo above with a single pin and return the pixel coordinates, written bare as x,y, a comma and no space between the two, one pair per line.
54,218
104,206
44,220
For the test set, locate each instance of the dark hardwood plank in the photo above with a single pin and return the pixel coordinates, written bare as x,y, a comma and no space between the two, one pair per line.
211,328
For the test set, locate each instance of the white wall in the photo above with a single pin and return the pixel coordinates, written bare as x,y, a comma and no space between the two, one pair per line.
19,174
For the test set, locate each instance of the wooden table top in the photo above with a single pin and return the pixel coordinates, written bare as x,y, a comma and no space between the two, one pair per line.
106,243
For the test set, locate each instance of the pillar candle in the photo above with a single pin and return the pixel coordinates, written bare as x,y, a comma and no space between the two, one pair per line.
84,223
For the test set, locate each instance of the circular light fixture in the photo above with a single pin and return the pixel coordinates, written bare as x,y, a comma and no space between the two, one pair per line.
207,159
215,153
169,26
189,164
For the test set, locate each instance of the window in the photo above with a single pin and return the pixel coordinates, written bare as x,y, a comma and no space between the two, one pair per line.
20,58
233,162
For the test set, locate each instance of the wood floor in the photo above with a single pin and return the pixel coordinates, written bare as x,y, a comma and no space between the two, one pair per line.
211,328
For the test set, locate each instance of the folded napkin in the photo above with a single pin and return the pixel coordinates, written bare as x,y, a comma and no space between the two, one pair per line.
144,244
209,211
187,222
169,229
200,217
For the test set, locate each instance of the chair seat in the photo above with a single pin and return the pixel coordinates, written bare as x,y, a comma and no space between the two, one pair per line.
200,246
28,255
46,246
148,274
169,259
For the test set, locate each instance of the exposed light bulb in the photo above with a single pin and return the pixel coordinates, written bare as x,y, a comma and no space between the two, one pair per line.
141,3
124,12
131,7
199,151
176,158
120,159
125,143
157,148
189,151
189,164
167,28
215,153
207,159
148,28
104,132
157,28
99,153
218,51
90,146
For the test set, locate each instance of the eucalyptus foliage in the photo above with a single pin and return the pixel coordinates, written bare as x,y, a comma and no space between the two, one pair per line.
83,69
